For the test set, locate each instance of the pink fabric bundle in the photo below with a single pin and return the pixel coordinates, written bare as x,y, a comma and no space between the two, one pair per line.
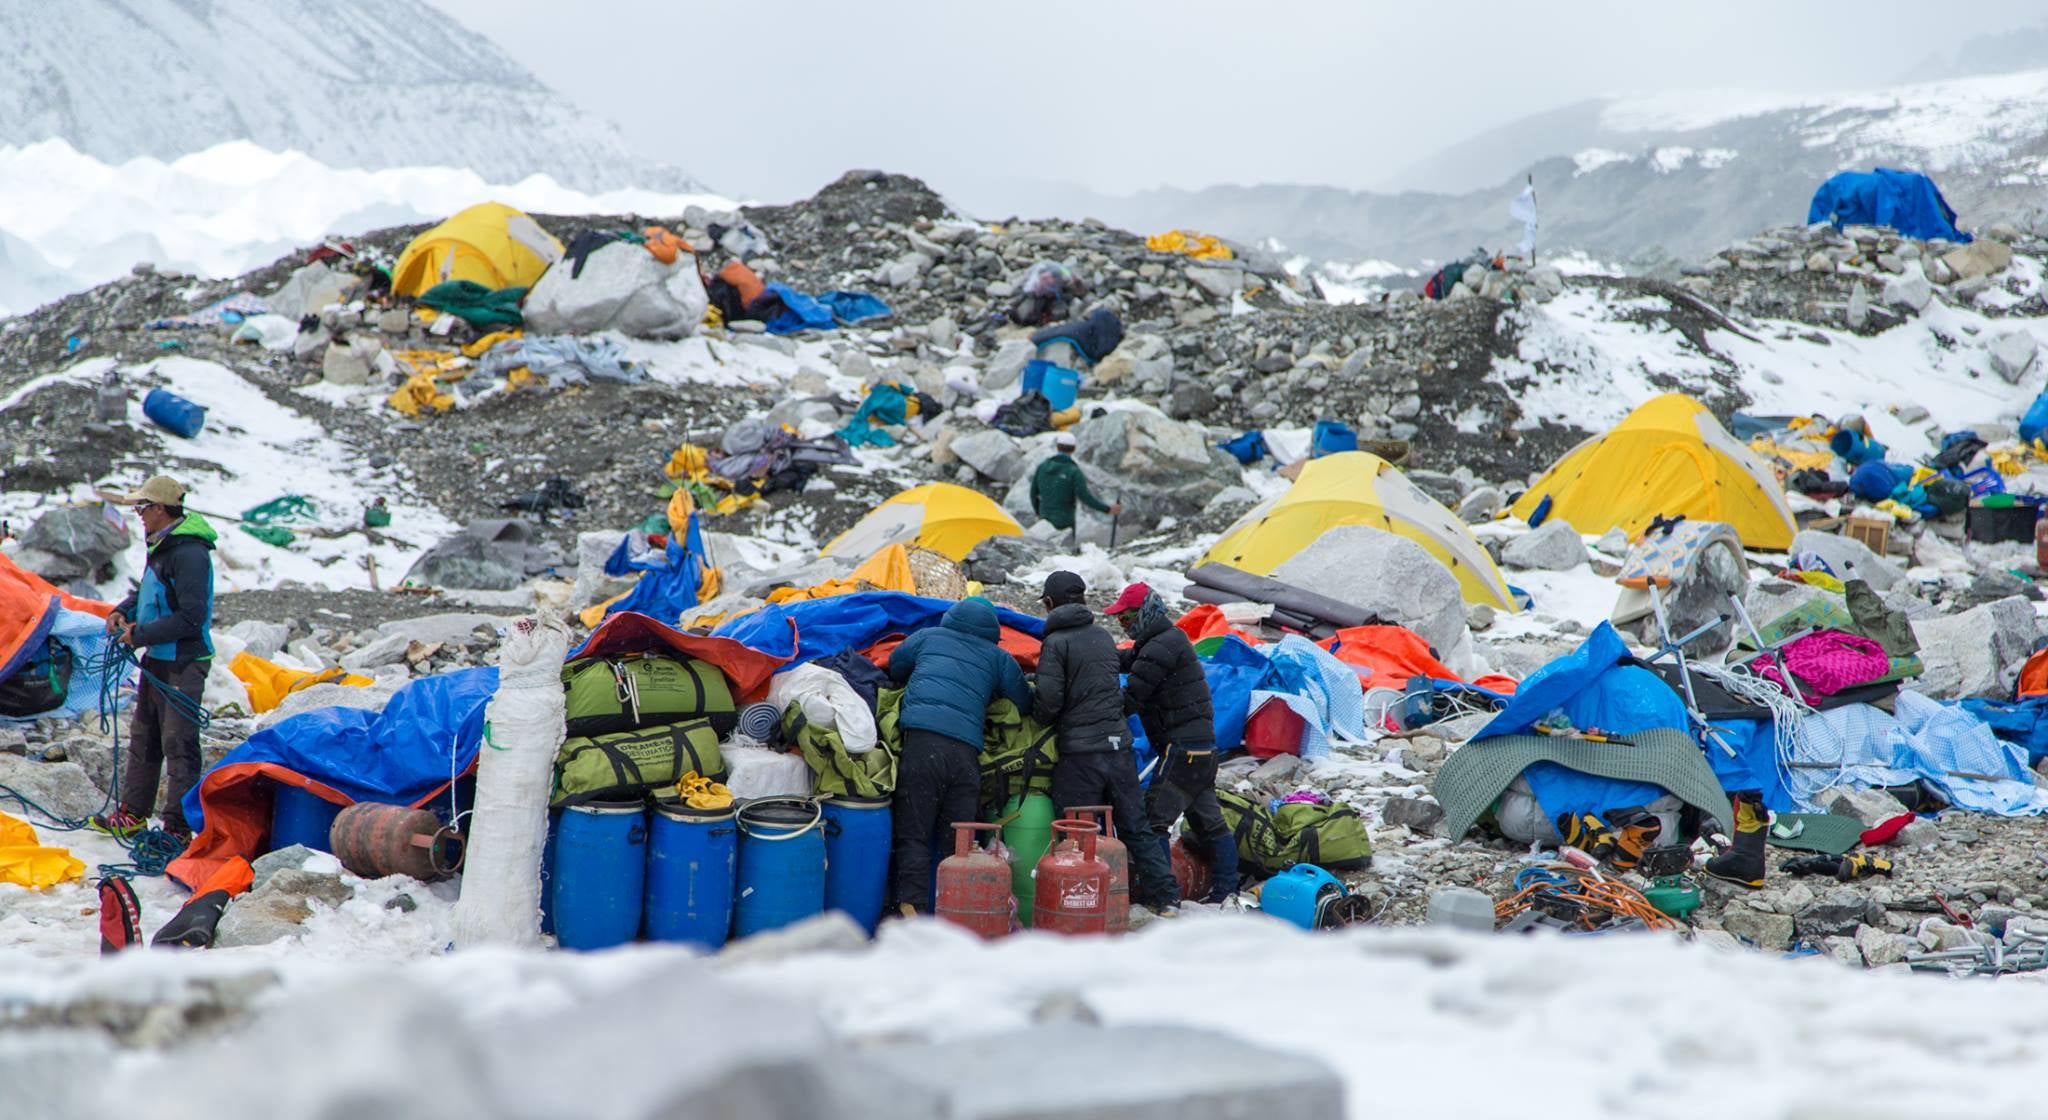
1825,662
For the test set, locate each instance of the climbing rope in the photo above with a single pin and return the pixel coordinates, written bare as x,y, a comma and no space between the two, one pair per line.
150,850
1591,899
1789,742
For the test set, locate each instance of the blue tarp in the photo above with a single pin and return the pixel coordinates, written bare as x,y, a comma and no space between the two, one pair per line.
800,312
1248,448
848,622
668,579
1330,438
2022,722
1906,201
854,307
1593,690
85,635
396,756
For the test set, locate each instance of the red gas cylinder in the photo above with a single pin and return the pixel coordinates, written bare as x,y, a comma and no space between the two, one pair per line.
1191,871
1073,883
376,840
974,885
1117,856
2041,544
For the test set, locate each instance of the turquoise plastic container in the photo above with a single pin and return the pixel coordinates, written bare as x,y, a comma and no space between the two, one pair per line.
857,832
1060,386
781,864
298,816
599,874
1296,894
692,864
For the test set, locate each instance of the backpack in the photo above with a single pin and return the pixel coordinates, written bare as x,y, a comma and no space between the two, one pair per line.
606,696
41,684
1017,756
1269,841
869,774
634,762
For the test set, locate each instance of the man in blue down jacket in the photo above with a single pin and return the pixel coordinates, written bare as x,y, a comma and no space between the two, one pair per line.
951,673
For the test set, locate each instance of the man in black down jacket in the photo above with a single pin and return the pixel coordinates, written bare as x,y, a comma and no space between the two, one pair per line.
1078,695
1170,694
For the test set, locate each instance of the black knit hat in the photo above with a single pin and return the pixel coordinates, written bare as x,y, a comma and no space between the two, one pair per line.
1064,587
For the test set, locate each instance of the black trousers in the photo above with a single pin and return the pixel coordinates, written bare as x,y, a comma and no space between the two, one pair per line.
161,738
938,783
1187,785
1111,778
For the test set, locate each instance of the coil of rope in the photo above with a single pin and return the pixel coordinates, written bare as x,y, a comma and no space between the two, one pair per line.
150,850
1592,899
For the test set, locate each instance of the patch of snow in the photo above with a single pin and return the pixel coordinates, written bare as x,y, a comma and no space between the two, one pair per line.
1593,159
1667,160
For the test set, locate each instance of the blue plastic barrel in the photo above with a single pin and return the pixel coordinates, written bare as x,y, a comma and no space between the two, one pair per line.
174,413
547,872
600,869
857,857
781,864
692,858
298,816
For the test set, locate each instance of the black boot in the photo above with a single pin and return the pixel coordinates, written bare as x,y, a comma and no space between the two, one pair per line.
1743,864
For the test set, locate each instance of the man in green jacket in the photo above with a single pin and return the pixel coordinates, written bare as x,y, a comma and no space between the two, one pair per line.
1058,483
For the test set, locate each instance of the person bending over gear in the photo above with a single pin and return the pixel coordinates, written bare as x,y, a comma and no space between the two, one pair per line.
1079,696
951,673
168,622
1170,695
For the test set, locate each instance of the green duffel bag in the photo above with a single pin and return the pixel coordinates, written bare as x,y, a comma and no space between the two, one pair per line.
630,762
608,695
1017,756
1269,841
837,772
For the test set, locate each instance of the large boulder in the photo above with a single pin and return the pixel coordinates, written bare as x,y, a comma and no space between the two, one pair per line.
621,287
310,288
491,554
1982,257
279,908
59,787
1154,465
996,456
2012,355
1388,575
1552,546
1848,558
1912,291
91,534
1976,653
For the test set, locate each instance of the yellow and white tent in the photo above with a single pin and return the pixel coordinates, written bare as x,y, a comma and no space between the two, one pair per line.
1359,488
1668,457
490,243
940,516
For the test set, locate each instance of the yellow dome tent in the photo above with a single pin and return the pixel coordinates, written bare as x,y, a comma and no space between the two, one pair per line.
1668,457
945,518
1359,488
490,243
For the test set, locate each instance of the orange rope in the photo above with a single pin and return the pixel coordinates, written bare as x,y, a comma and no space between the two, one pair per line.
1617,898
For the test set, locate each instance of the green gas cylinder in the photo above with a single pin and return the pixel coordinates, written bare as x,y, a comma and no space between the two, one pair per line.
1027,832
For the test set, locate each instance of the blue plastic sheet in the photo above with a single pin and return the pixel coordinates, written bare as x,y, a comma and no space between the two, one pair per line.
800,312
1906,201
848,622
1248,448
429,729
669,579
854,307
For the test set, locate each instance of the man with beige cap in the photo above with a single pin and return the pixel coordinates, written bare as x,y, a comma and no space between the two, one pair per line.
168,622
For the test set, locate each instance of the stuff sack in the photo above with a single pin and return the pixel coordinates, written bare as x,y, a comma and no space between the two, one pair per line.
871,773
40,685
1269,841
634,762
606,696
1017,756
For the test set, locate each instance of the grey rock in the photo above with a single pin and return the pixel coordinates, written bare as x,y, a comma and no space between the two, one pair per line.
270,863
1849,559
455,628
1881,947
388,650
63,788
1191,400
1614,542
1480,506
1552,546
1007,364
1844,950
1858,312
1153,464
1910,413
1420,815
2012,355
1836,914
1982,257
370,699
1976,653
279,908
1480,616
1870,807
1220,283
82,533
1277,770
1770,932
1912,291
1921,835
351,360
996,456
1384,574
260,638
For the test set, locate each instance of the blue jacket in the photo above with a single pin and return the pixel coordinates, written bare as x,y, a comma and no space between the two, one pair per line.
953,671
173,608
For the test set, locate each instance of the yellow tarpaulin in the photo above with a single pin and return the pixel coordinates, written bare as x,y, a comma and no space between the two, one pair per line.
1200,246
25,862
887,570
269,683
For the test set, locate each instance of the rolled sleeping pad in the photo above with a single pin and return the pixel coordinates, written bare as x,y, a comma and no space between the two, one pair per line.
1264,589
1279,616
174,413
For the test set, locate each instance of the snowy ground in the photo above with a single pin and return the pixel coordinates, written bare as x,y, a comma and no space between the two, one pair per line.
1623,1026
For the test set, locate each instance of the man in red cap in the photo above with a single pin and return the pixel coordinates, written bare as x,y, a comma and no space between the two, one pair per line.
1169,693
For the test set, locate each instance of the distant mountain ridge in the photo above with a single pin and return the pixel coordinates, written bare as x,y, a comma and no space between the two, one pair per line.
359,83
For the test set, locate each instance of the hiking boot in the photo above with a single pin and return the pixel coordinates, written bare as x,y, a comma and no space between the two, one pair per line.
119,824
1633,837
1743,863
1863,864
1589,834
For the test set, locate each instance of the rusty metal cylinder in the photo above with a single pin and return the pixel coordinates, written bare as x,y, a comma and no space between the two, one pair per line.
1073,883
1117,856
974,885
378,840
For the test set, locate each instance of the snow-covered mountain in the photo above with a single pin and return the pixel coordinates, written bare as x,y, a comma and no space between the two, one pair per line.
365,83
1639,178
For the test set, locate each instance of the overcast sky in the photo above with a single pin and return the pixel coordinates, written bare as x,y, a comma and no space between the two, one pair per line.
771,101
